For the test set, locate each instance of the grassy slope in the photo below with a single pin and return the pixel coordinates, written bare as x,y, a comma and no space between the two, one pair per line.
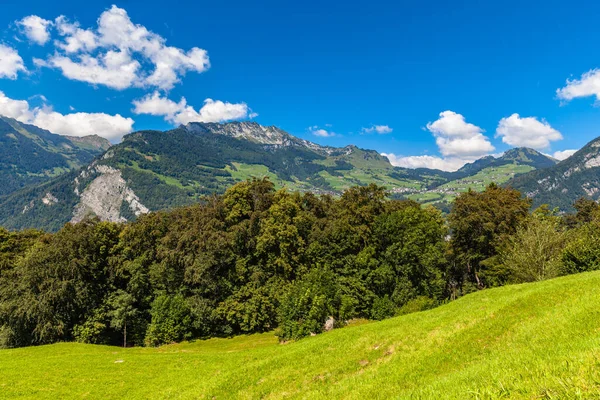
527,341
478,182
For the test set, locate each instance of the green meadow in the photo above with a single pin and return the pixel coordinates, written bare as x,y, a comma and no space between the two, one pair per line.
529,341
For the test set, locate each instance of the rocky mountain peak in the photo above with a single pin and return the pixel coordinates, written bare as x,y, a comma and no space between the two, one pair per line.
251,131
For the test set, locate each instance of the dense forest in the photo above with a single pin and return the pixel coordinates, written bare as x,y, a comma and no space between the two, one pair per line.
255,259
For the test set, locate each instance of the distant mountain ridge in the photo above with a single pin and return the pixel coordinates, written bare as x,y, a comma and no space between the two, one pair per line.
562,184
154,170
520,155
30,155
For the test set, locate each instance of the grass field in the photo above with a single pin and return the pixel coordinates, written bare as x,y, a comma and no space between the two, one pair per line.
533,341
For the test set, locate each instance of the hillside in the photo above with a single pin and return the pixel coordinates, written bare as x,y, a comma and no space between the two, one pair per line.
30,155
153,170
560,185
524,341
479,174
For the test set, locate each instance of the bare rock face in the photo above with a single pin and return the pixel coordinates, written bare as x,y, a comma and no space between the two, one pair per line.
49,199
329,324
105,195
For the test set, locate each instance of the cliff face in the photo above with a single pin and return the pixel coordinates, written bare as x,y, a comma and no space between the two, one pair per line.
105,196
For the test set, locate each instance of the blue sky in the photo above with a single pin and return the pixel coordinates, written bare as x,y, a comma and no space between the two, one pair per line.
428,83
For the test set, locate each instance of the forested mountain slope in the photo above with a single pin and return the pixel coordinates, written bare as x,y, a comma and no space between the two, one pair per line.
560,185
30,155
479,174
153,170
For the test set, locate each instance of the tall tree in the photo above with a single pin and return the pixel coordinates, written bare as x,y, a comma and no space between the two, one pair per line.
479,223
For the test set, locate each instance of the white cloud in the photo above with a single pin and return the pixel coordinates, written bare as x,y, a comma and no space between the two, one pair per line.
120,54
36,29
563,154
458,141
457,138
432,162
17,109
527,132
11,62
114,69
182,113
111,127
379,129
315,130
588,85
75,38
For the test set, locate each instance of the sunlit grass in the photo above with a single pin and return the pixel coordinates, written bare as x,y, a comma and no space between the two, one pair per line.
527,341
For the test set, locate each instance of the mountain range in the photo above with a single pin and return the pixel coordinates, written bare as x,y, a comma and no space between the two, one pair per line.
577,176
57,179
30,155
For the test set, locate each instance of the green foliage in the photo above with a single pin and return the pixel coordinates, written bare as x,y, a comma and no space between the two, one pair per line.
418,304
58,281
534,252
583,251
561,185
307,305
255,259
93,330
479,223
30,156
122,311
531,341
383,307
171,320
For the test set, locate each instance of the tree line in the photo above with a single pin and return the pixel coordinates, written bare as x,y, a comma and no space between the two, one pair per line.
255,259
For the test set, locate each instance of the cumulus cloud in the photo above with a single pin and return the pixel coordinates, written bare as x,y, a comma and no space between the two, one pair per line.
588,85
458,141
11,62
111,127
432,162
379,129
36,29
457,138
114,69
120,54
563,154
527,132
182,113
74,38
17,109
320,132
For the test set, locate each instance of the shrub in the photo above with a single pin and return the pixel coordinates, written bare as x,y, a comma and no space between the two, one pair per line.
418,304
383,307
307,305
171,321
583,251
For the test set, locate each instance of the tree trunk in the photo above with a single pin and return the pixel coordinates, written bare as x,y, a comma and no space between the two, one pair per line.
125,335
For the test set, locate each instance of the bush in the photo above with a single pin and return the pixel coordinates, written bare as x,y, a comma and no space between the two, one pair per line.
383,307
534,252
418,304
307,305
171,321
583,252
93,330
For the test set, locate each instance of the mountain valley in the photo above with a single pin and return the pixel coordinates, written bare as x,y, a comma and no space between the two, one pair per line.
154,170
